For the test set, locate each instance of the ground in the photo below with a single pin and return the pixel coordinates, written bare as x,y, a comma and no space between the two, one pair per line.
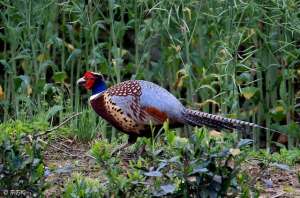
65,157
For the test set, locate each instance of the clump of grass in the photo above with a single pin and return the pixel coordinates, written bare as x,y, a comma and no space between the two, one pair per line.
83,186
88,126
284,156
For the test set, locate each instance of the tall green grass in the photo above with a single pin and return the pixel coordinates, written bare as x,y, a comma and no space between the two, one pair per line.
237,58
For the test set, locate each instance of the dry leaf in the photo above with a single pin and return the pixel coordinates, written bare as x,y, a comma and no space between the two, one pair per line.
214,133
2,94
29,90
180,76
41,57
235,151
69,46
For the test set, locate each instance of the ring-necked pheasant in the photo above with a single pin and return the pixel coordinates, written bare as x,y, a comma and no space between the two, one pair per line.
132,105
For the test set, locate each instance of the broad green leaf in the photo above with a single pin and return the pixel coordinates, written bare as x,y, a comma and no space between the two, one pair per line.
278,113
293,128
44,65
39,85
162,165
199,169
168,188
249,92
75,53
153,174
170,135
165,125
22,83
181,142
244,77
59,77
244,142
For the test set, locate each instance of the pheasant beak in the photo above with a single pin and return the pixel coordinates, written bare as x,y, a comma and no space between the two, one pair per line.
81,82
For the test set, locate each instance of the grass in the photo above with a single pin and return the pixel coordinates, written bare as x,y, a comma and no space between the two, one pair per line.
284,156
235,58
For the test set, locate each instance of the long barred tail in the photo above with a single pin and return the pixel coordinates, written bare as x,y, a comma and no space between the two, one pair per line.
198,118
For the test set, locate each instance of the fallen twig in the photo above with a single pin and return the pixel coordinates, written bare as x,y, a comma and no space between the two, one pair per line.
58,126
88,155
278,195
64,151
64,145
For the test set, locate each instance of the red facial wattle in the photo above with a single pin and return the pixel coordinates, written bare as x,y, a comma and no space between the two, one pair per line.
90,80
89,83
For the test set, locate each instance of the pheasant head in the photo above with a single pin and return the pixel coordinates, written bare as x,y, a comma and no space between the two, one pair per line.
92,81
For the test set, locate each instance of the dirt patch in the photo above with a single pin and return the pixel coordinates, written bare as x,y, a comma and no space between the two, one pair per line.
273,180
64,157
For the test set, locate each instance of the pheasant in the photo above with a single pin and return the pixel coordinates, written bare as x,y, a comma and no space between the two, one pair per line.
135,106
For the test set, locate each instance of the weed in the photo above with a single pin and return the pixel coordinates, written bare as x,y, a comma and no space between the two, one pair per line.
175,166
22,167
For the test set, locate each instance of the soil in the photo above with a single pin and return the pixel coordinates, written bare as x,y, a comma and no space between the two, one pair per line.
274,180
64,157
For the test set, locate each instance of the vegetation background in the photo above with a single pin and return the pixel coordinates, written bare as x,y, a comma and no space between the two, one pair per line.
237,58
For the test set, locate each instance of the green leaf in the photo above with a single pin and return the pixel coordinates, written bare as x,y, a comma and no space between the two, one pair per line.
282,90
6,65
59,77
53,110
168,188
153,174
166,125
206,88
170,135
39,85
293,128
249,92
199,169
162,165
73,55
43,66
278,113
244,142
244,77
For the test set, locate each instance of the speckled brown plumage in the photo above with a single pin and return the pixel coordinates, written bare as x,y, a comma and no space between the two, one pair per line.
126,88
129,88
115,115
